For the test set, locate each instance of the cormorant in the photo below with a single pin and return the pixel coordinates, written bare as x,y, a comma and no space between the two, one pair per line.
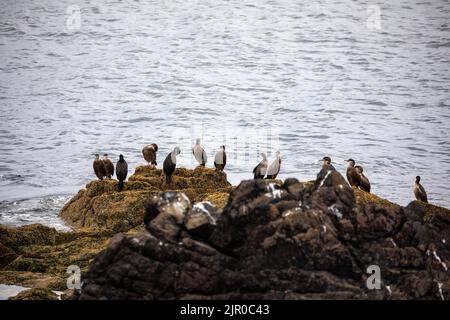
149,153
220,160
419,191
121,172
260,170
170,163
274,168
199,153
99,167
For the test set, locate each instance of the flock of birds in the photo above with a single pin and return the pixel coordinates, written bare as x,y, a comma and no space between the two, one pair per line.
356,178
105,168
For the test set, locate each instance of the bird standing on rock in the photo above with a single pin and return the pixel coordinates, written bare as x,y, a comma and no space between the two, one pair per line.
121,172
274,168
419,191
199,153
109,166
353,177
220,160
99,167
365,183
149,153
170,164
260,170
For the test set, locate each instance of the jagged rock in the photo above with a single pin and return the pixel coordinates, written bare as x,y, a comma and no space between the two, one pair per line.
100,205
277,241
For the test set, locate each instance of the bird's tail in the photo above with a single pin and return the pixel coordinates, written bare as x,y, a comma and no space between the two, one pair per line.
168,179
120,185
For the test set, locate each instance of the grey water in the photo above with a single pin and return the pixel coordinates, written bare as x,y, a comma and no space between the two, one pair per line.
362,79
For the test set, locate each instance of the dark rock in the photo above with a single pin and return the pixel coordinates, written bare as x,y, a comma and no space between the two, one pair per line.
293,241
202,219
164,215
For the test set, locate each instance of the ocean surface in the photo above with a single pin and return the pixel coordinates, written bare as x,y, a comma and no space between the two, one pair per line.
367,80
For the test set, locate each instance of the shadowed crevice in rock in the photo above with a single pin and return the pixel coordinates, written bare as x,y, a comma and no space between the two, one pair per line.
276,241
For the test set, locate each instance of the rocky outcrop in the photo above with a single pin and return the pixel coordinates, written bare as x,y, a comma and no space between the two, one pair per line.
100,205
277,241
38,256
205,239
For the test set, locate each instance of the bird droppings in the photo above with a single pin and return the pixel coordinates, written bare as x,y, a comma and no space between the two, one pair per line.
201,207
335,211
325,178
440,261
287,214
273,192
393,242
389,289
441,294
291,212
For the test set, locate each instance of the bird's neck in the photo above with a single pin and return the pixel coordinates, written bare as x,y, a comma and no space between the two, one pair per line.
174,157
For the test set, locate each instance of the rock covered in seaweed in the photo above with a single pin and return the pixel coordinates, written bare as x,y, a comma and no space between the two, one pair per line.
38,256
272,241
101,205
